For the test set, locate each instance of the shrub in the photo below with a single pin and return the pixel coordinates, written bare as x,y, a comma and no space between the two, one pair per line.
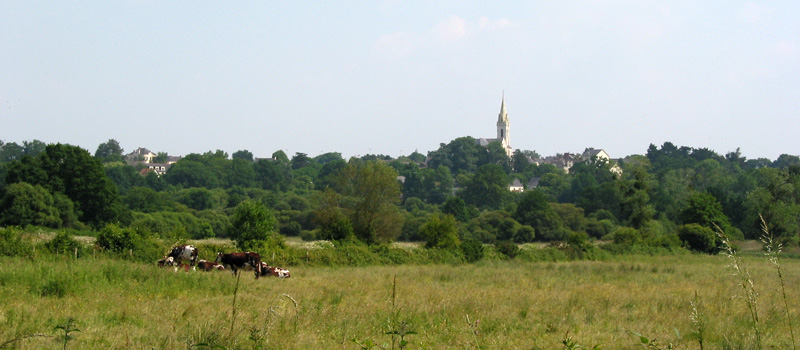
508,249
12,244
291,228
440,232
698,238
308,236
63,243
472,249
525,234
626,236
129,242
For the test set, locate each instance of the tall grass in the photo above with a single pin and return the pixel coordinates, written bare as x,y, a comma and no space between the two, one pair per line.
772,250
123,304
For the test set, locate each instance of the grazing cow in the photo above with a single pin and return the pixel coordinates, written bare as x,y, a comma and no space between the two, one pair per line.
235,261
184,252
267,270
209,265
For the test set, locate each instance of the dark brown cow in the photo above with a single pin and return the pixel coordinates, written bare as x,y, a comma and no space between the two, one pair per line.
208,265
235,261
184,252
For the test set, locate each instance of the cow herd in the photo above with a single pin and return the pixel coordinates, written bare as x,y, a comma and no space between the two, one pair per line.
225,261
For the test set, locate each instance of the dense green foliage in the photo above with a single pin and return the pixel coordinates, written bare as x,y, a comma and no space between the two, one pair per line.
458,193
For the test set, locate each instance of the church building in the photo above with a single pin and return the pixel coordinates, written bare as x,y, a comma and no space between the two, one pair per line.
503,131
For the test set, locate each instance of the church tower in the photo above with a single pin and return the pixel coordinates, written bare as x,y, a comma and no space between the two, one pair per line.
503,128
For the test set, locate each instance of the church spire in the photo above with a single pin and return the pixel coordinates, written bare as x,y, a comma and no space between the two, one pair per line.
503,116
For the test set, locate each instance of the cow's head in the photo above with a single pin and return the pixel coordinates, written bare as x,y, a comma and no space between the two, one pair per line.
219,257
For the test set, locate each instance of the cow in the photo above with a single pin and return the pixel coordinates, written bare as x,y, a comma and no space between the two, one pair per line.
167,261
184,252
209,265
267,270
236,261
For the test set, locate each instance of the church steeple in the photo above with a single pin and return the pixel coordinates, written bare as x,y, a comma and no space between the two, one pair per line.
503,126
503,116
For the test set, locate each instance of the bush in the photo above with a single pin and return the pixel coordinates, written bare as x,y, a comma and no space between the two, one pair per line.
308,236
472,249
508,249
12,244
626,236
291,228
698,238
63,243
129,242
440,231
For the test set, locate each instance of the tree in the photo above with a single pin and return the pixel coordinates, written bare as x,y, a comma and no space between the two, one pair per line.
146,200
459,155
333,224
253,227
11,151
74,172
273,175
188,172
300,160
23,204
457,208
369,195
494,153
33,148
440,232
243,154
703,209
326,158
488,188
698,238
519,161
534,210
417,157
241,172
161,157
109,151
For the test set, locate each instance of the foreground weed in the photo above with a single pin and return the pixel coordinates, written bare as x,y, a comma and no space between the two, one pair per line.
698,320
398,328
744,281
570,344
66,329
772,250
473,329
652,343
277,310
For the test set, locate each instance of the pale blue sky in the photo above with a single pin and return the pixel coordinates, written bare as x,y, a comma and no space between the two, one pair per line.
392,77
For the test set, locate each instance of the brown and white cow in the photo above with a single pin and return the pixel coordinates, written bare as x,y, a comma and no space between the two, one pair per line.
267,270
209,265
184,252
167,261
236,261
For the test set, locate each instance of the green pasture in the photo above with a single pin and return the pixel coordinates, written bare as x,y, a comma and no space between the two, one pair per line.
118,304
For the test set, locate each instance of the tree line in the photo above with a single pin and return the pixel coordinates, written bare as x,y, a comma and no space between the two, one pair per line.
455,197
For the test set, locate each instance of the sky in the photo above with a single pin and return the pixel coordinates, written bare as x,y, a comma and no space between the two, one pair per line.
394,77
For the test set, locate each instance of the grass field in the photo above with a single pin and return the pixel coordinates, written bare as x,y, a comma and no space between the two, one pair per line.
118,304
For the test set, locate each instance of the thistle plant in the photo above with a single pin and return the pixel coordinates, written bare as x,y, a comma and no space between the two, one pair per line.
772,249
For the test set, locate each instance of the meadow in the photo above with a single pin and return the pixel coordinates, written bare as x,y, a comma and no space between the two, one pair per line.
677,300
